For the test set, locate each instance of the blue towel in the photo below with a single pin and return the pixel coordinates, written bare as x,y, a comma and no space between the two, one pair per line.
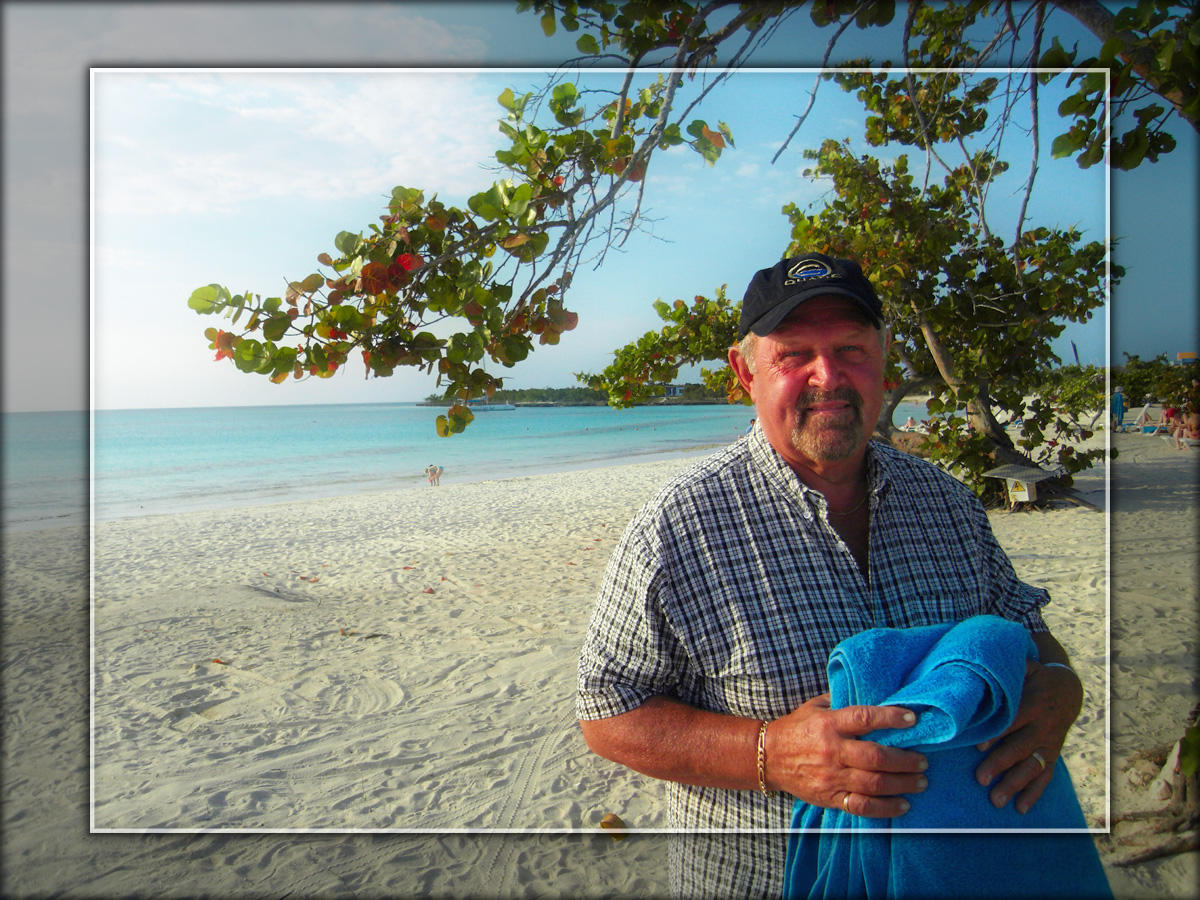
964,683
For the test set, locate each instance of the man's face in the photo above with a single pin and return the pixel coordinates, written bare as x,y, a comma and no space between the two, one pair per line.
817,382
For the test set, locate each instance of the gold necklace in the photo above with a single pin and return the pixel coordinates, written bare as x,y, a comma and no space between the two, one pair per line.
855,508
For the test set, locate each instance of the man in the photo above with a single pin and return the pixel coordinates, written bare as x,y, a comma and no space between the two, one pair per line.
704,664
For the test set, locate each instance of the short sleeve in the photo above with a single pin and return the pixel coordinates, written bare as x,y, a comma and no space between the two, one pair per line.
629,654
1010,598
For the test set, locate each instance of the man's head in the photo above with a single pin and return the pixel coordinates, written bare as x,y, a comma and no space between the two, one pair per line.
811,356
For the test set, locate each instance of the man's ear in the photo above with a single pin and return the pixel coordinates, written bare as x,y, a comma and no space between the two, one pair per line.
745,377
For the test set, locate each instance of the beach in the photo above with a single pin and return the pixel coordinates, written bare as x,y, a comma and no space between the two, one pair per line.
404,661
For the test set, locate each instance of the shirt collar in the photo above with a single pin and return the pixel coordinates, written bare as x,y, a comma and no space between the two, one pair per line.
773,466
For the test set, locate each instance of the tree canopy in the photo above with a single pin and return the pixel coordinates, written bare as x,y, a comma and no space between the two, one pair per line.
972,315
447,289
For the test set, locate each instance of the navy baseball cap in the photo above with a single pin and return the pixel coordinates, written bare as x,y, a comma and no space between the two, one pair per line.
773,293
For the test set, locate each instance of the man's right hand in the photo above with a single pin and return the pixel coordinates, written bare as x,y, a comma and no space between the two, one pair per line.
815,753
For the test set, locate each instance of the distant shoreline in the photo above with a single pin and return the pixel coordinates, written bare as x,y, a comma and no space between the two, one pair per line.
542,404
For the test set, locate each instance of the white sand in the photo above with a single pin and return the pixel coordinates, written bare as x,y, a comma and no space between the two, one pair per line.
406,660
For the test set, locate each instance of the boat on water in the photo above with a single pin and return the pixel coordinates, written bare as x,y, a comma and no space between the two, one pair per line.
481,404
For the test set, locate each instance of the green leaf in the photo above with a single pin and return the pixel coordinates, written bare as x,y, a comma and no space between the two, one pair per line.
457,418
406,197
1072,105
1093,154
520,199
208,299
548,24
1130,152
347,318
587,44
486,205
250,355
566,94
1166,54
347,242
514,348
1066,144
275,328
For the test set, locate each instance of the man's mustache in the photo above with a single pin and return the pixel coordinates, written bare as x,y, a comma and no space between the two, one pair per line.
843,394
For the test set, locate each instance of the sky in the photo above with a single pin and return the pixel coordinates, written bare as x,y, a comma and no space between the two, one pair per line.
223,148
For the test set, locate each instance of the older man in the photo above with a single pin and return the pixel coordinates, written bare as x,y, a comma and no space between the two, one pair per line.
704,664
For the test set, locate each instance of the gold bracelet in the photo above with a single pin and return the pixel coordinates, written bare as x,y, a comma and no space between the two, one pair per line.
762,758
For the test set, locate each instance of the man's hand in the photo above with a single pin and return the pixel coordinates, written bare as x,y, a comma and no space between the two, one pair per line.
814,753
1023,757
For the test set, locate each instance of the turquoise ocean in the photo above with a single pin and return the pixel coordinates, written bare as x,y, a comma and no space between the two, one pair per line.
153,461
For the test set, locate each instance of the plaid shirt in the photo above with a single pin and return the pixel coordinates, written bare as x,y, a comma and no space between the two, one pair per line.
729,590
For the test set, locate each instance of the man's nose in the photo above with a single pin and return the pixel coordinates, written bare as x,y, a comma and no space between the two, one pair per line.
824,371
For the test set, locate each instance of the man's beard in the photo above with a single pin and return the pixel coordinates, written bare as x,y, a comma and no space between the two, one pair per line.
817,437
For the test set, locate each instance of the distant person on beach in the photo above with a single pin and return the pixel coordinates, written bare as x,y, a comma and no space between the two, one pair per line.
1187,430
705,661
910,425
434,474
1118,409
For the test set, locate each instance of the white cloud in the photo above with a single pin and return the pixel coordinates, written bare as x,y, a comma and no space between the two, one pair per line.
203,142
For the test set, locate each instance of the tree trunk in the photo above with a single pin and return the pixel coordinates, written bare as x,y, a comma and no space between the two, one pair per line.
884,426
979,412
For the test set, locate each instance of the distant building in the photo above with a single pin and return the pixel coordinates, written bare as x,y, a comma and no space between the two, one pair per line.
1185,358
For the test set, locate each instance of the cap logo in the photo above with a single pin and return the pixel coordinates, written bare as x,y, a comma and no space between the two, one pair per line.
806,269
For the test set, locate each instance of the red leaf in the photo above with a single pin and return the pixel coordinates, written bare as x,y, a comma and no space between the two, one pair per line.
375,278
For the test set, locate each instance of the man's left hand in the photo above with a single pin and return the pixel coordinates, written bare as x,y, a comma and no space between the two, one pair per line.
1024,756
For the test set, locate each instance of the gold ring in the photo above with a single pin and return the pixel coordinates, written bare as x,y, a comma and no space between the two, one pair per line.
846,801
1037,757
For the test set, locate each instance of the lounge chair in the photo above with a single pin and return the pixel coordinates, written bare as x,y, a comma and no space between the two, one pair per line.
1143,424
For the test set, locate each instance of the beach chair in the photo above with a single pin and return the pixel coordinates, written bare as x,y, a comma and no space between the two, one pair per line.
1143,425
1188,443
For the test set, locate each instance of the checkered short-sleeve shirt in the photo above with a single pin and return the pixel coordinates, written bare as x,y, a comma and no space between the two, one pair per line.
729,590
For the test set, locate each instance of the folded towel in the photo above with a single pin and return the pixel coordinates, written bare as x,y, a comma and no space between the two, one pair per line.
964,682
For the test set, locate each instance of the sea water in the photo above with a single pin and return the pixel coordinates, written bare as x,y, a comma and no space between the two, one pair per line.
154,461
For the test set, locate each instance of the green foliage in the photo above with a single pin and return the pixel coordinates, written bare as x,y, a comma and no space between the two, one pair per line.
496,271
1143,380
494,276
1144,74
966,311
1077,391
972,319
692,334
1151,46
